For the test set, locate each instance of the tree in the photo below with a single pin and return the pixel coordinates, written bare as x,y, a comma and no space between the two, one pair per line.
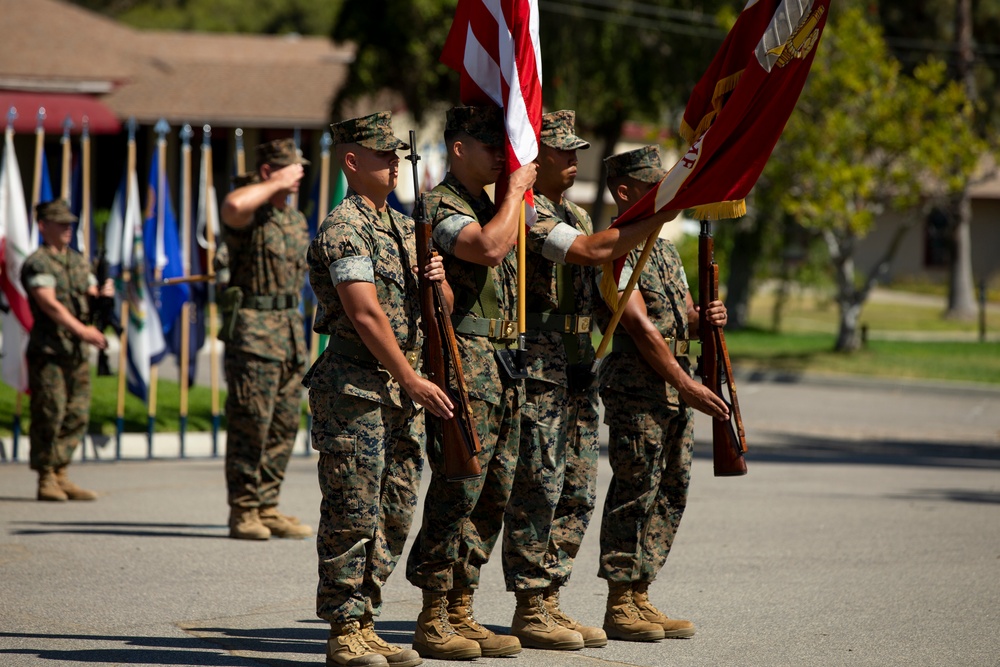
276,17
866,137
399,44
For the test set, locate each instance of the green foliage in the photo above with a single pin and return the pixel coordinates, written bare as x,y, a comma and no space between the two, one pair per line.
398,44
866,137
305,17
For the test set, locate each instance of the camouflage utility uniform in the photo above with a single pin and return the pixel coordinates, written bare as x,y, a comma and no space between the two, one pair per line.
650,431
462,520
265,353
367,430
555,484
58,372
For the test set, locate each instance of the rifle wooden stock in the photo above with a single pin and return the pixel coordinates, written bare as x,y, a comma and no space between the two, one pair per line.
728,437
459,441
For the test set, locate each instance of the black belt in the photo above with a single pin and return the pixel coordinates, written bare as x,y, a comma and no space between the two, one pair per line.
569,324
626,344
360,352
270,301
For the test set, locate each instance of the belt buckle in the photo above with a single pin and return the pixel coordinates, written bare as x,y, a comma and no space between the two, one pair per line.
682,347
413,358
503,329
582,325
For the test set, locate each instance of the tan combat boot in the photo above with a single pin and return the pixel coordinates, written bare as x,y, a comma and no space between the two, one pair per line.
72,491
394,655
434,636
535,628
460,616
281,525
244,524
592,637
48,486
673,628
347,647
622,619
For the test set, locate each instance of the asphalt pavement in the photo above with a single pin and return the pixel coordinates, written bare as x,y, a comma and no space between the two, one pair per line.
867,533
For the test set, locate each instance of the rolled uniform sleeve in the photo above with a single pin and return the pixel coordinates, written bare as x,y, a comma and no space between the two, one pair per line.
558,242
40,280
352,269
446,232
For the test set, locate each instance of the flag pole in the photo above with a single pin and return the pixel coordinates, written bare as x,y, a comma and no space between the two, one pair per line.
36,187
241,160
186,133
124,315
323,200
67,158
640,264
161,128
206,156
293,200
15,427
85,189
521,284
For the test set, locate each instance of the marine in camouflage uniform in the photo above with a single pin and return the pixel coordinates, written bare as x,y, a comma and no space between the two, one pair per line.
462,520
362,389
59,285
265,354
647,397
555,483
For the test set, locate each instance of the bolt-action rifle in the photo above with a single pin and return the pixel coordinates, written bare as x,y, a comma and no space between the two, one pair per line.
101,311
459,440
728,437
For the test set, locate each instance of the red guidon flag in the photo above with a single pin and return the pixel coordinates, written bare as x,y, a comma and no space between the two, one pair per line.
493,45
736,113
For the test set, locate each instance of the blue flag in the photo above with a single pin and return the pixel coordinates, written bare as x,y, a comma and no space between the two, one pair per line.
163,254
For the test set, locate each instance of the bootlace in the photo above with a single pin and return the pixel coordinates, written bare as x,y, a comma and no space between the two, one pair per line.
556,612
373,640
442,614
351,635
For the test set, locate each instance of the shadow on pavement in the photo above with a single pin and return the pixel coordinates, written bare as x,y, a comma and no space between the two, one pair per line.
144,651
787,448
125,529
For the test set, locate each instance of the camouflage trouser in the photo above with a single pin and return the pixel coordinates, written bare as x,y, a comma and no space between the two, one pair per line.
650,451
263,410
369,473
555,486
60,408
462,520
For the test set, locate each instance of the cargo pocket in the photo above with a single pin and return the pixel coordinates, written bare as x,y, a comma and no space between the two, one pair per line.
338,468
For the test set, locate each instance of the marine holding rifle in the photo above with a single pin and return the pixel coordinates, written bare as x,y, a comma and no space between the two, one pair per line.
648,395
60,289
555,484
462,520
365,391
265,342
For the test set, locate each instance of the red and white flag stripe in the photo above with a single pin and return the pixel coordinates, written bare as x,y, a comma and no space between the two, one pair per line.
494,45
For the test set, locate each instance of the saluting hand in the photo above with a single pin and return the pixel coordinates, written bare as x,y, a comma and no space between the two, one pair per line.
287,178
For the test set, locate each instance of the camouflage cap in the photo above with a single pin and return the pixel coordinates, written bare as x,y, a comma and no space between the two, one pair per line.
279,153
373,131
642,164
484,123
56,210
558,131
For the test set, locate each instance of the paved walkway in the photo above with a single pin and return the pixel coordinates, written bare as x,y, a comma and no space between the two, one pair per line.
865,534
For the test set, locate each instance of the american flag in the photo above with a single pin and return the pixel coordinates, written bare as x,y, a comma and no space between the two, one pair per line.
493,45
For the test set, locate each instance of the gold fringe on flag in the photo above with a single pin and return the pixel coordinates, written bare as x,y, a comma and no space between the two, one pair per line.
724,210
722,88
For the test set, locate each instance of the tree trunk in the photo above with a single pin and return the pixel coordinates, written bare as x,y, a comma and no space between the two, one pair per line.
849,301
747,241
961,286
961,292
608,134
848,339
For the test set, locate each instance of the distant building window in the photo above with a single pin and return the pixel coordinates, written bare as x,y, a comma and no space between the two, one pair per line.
937,240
